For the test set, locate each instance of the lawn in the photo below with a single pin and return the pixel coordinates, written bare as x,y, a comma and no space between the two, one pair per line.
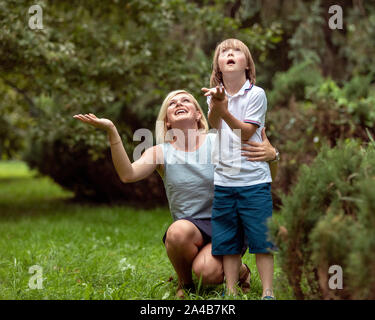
86,251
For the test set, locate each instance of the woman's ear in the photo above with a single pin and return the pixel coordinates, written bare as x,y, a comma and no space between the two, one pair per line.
199,116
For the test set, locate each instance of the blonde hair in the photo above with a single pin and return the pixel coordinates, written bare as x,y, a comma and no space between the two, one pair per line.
216,75
161,121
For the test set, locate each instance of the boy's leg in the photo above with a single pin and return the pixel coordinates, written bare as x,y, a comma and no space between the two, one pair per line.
225,234
255,207
232,264
265,268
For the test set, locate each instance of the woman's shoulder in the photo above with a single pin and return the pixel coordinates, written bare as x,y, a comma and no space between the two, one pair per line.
162,147
158,149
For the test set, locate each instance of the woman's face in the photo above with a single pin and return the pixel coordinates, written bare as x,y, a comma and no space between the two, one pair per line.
181,108
232,59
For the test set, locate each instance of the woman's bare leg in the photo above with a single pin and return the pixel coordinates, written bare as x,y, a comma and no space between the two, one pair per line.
182,243
209,267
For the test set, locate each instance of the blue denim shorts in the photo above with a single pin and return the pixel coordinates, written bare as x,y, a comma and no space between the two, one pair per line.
235,208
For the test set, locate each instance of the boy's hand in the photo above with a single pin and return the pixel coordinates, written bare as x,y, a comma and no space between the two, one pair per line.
217,93
219,102
91,119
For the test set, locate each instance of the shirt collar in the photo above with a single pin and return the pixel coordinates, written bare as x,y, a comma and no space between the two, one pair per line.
245,88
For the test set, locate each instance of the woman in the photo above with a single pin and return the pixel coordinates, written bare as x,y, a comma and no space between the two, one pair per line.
183,160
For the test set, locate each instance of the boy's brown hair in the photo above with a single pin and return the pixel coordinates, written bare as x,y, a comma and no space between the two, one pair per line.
216,75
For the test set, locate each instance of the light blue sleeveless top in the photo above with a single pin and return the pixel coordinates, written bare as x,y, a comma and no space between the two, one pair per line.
189,180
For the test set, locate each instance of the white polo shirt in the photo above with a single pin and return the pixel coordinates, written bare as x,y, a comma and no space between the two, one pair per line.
249,105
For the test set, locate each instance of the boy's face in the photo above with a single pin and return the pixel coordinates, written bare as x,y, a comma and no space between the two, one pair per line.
232,59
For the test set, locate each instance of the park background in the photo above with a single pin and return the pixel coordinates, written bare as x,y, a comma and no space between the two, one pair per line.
62,206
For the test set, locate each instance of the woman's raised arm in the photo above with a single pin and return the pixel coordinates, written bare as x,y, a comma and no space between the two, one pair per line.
127,171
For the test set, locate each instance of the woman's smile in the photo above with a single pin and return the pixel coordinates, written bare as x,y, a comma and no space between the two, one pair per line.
181,111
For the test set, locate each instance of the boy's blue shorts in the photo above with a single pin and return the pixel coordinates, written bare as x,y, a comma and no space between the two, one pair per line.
236,207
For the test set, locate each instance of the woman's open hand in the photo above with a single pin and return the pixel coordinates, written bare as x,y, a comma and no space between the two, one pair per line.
91,119
263,151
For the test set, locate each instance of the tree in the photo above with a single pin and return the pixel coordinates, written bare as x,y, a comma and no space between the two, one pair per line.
118,60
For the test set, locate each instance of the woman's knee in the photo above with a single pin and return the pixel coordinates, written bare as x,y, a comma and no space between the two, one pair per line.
211,273
180,233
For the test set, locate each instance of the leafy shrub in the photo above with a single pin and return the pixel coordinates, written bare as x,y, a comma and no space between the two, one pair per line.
350,110
293,83
328,220
14,121
328,114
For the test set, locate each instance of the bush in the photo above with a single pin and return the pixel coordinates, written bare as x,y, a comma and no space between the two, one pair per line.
14,121
328,220
328,114
292,84
348,110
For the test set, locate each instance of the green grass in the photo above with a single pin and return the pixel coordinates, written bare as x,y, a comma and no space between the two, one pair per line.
86,251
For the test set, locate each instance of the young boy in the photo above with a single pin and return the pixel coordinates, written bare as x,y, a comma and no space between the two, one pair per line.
242,194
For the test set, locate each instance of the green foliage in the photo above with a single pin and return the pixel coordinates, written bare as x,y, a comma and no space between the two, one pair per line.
327,113
328,218
339,53
354,103
357,45
358,87
293,83
117,60
306,42
14,122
